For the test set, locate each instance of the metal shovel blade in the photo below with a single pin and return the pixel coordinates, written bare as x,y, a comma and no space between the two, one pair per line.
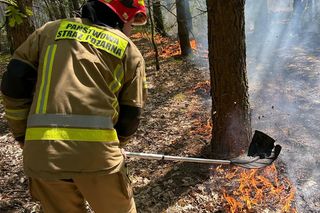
262,152
261,145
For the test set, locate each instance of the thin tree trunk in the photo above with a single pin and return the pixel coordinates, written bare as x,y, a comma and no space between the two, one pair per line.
76,4
54,7
2,15
158,19
227,58
62,9
50,14
183,31
152,37
70,9
188,16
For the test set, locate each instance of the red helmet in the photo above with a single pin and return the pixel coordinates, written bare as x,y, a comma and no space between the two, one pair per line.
128,9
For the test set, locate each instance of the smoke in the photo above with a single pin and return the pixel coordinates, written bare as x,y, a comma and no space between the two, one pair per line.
283,59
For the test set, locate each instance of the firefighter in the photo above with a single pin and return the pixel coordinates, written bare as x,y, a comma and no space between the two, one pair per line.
73,94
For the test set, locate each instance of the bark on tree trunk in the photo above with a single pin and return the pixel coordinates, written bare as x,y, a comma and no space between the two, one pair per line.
158,19
62,10
70,9
152,38
76,4
54,7
183,32
74,7
20,32
188,16
2,15
227,58
50,14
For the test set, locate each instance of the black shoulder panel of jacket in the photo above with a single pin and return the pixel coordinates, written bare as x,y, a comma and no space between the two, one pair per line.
128,121
19,80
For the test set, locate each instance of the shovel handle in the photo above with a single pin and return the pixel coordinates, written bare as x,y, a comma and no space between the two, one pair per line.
174,158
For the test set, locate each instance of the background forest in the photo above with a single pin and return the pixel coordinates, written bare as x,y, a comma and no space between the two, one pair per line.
281,89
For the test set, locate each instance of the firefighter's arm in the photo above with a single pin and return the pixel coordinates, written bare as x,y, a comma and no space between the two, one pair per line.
128,123
17,86
131,99
17,90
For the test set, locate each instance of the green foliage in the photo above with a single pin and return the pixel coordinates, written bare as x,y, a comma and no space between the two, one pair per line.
29,11
14,15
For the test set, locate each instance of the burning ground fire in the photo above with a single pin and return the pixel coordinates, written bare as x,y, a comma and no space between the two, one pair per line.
250,190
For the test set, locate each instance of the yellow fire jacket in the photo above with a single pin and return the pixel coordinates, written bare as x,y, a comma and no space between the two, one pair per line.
76,76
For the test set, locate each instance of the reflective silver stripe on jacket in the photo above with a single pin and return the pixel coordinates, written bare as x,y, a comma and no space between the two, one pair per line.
76,121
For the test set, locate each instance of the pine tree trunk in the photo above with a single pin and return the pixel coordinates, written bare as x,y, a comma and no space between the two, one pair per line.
76,4
62,9
188,16
153,39
183,32
54,6
158,19
70,9
2,37
62,6
227,58
50,14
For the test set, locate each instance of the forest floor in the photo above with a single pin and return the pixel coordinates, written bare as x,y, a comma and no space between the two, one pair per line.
176,121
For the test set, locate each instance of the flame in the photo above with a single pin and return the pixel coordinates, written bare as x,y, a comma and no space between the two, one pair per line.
287,202
231,175
255,188
193,44
234,204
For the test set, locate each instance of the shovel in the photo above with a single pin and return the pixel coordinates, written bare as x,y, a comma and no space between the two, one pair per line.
262,152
